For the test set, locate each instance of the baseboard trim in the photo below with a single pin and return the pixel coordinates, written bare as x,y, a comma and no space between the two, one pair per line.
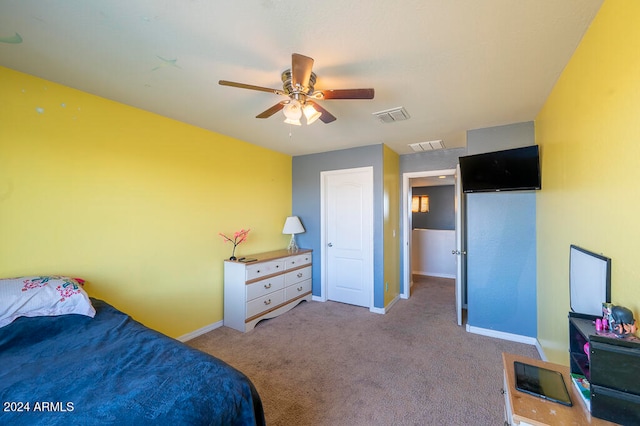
541,351
386,308
372,309
504,336
431,274
511,337
200,331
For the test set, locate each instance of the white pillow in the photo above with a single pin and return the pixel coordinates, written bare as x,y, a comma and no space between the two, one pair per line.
42,296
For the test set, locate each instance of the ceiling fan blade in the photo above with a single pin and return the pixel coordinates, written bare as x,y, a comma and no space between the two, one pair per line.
250,87
268,113
348,94
300,69
326,116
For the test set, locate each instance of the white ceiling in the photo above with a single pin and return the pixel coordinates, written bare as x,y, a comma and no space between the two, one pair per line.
454,65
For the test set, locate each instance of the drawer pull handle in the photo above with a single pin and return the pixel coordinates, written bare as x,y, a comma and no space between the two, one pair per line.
277,266
299,288
300,274
267,302
267,286
258,271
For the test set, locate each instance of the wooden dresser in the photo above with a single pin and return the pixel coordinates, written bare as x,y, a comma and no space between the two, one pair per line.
269,286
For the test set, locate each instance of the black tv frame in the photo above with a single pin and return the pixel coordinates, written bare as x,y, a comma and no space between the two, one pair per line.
516,169
589,263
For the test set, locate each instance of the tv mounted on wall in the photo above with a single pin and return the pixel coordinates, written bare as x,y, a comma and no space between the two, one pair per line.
515,169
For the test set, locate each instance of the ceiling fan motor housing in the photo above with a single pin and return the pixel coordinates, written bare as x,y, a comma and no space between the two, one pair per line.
287,85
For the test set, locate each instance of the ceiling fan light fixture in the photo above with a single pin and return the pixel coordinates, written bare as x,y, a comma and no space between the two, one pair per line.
294,121
311,114
293,110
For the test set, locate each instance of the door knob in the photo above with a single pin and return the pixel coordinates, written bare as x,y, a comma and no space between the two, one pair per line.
330,244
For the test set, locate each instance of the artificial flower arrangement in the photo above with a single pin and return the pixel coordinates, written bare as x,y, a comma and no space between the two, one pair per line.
238,238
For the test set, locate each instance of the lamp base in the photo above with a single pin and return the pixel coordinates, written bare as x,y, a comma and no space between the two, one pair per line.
293,247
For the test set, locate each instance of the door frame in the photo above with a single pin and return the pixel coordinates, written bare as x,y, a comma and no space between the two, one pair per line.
407,225
323,240
461,243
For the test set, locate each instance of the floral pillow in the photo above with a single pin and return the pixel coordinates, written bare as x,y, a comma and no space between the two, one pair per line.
42,296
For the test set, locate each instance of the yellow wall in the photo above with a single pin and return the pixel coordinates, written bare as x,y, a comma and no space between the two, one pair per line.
391,176
130,201
589,133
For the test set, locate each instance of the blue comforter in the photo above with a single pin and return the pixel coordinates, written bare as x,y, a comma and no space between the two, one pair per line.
110,369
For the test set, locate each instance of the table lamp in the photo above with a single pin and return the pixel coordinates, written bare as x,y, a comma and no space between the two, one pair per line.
292,226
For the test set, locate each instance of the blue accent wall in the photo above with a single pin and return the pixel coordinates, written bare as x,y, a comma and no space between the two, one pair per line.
306,195
501,262
441,159
501,244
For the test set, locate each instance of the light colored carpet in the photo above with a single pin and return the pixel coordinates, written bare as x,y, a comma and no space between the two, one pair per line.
336,364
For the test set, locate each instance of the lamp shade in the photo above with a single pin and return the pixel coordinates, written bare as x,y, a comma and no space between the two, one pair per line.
292,226
311,114
295,121
293,110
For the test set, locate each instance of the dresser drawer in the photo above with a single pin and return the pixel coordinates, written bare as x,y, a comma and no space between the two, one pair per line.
296,290
298,260
296,276
615,366
615,406
263,269
266,286
263,303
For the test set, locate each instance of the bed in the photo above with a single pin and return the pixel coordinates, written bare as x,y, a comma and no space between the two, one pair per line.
92,364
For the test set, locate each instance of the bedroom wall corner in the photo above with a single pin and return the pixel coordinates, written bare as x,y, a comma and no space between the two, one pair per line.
391,224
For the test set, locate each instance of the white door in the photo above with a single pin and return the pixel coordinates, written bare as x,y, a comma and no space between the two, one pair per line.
347,211
460,250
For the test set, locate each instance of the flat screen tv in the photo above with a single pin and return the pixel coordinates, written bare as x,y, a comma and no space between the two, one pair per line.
589,281
515,169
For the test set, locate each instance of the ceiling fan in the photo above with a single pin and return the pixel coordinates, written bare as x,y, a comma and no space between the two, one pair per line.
298,85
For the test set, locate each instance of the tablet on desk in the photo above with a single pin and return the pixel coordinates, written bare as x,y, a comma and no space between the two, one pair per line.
541,382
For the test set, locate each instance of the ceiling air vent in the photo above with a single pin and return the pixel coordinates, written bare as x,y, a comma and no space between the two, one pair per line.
427,146
392,115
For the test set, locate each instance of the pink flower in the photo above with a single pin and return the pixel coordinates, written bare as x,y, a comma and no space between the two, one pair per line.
238,238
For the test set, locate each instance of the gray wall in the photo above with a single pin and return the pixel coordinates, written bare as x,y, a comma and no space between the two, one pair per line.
441,214
441,159
501,244
306,195
500,137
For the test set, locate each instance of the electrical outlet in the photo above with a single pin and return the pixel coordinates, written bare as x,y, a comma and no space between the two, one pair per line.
386,286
